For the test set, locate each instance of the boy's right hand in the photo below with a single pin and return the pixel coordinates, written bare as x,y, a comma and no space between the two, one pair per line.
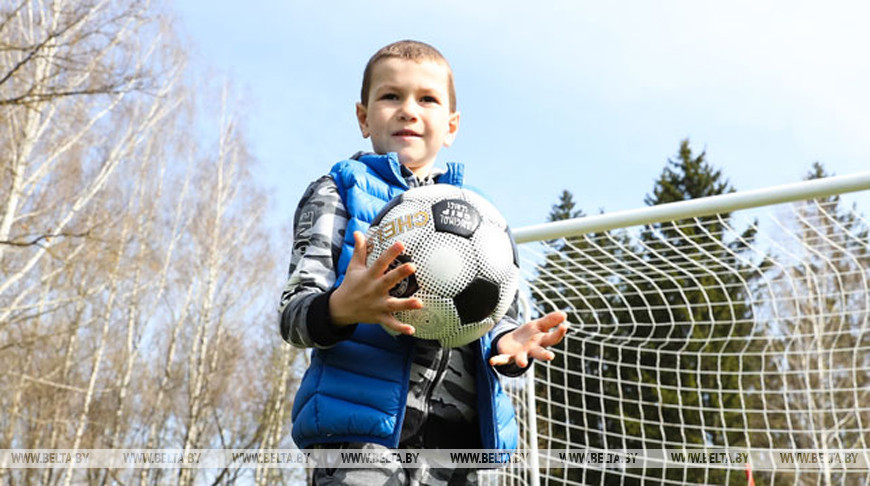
364,296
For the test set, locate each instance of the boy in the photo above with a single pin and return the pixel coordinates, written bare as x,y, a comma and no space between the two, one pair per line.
365,389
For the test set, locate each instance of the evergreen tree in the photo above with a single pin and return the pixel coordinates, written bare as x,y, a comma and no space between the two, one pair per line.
565,208
701,320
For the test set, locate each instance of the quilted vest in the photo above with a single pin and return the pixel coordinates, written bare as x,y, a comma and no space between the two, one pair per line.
356,391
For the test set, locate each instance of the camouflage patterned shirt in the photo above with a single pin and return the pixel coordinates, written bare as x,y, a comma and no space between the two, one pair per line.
442,398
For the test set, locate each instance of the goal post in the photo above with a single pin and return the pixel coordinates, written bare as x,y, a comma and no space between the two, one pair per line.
738,322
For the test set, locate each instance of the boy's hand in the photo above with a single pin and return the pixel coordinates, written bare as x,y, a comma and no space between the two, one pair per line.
364,296
531,340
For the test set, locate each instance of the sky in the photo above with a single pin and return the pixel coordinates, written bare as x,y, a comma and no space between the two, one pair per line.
588,96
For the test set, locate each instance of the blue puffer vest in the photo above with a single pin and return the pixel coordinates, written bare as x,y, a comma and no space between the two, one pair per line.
356,390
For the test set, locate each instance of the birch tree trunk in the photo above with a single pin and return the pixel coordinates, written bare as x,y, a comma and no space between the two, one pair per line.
135,268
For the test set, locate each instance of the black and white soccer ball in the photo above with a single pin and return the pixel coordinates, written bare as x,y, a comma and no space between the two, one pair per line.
467,267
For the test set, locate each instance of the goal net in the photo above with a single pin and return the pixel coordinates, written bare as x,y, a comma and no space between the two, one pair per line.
744,328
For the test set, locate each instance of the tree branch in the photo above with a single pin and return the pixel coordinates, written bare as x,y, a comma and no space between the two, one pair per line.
36,241
50,95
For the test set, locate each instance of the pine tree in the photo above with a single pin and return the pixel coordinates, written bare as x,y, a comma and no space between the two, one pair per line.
701,318
565,208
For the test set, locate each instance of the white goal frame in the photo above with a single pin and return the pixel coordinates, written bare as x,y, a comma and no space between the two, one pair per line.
538,241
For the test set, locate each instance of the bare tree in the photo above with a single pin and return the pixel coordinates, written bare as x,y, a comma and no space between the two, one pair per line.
136,272
818,382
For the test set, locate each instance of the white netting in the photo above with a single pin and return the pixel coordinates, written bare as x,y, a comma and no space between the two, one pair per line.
741,331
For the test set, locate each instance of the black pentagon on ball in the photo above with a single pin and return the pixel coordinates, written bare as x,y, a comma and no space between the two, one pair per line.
477,301
386,209
408,286
456,216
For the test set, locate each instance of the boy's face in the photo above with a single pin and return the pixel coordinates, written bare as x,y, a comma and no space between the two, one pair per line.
408,112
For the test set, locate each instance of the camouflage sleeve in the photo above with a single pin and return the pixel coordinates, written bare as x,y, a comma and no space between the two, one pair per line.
318,231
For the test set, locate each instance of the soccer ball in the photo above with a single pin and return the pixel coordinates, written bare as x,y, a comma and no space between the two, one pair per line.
467,266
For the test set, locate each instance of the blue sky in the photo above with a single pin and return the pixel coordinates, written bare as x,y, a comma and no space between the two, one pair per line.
592,97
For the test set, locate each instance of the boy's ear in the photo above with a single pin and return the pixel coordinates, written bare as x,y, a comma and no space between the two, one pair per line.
362,118
452,128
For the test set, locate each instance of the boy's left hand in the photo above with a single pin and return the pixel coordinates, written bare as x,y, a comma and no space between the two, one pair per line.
531,340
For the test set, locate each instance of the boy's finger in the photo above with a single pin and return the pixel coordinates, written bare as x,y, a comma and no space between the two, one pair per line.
398,326
555,337
501,359
396,275
383,262
359,248
522,359
551,320
396,305
542,354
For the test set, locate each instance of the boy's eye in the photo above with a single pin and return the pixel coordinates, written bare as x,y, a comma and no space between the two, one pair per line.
429,99
389,96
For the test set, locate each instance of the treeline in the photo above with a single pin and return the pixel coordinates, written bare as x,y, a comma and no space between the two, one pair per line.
136,278
696,334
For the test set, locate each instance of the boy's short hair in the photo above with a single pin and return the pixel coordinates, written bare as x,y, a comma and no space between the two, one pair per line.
409,50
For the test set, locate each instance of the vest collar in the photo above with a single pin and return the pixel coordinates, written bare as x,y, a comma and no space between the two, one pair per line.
388,168
454,175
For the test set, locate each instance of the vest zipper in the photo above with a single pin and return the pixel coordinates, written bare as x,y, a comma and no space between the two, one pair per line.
444,357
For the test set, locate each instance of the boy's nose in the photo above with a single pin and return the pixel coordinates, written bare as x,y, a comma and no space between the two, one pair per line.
408,110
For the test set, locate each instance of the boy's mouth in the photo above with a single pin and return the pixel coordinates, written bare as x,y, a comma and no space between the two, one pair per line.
406,133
